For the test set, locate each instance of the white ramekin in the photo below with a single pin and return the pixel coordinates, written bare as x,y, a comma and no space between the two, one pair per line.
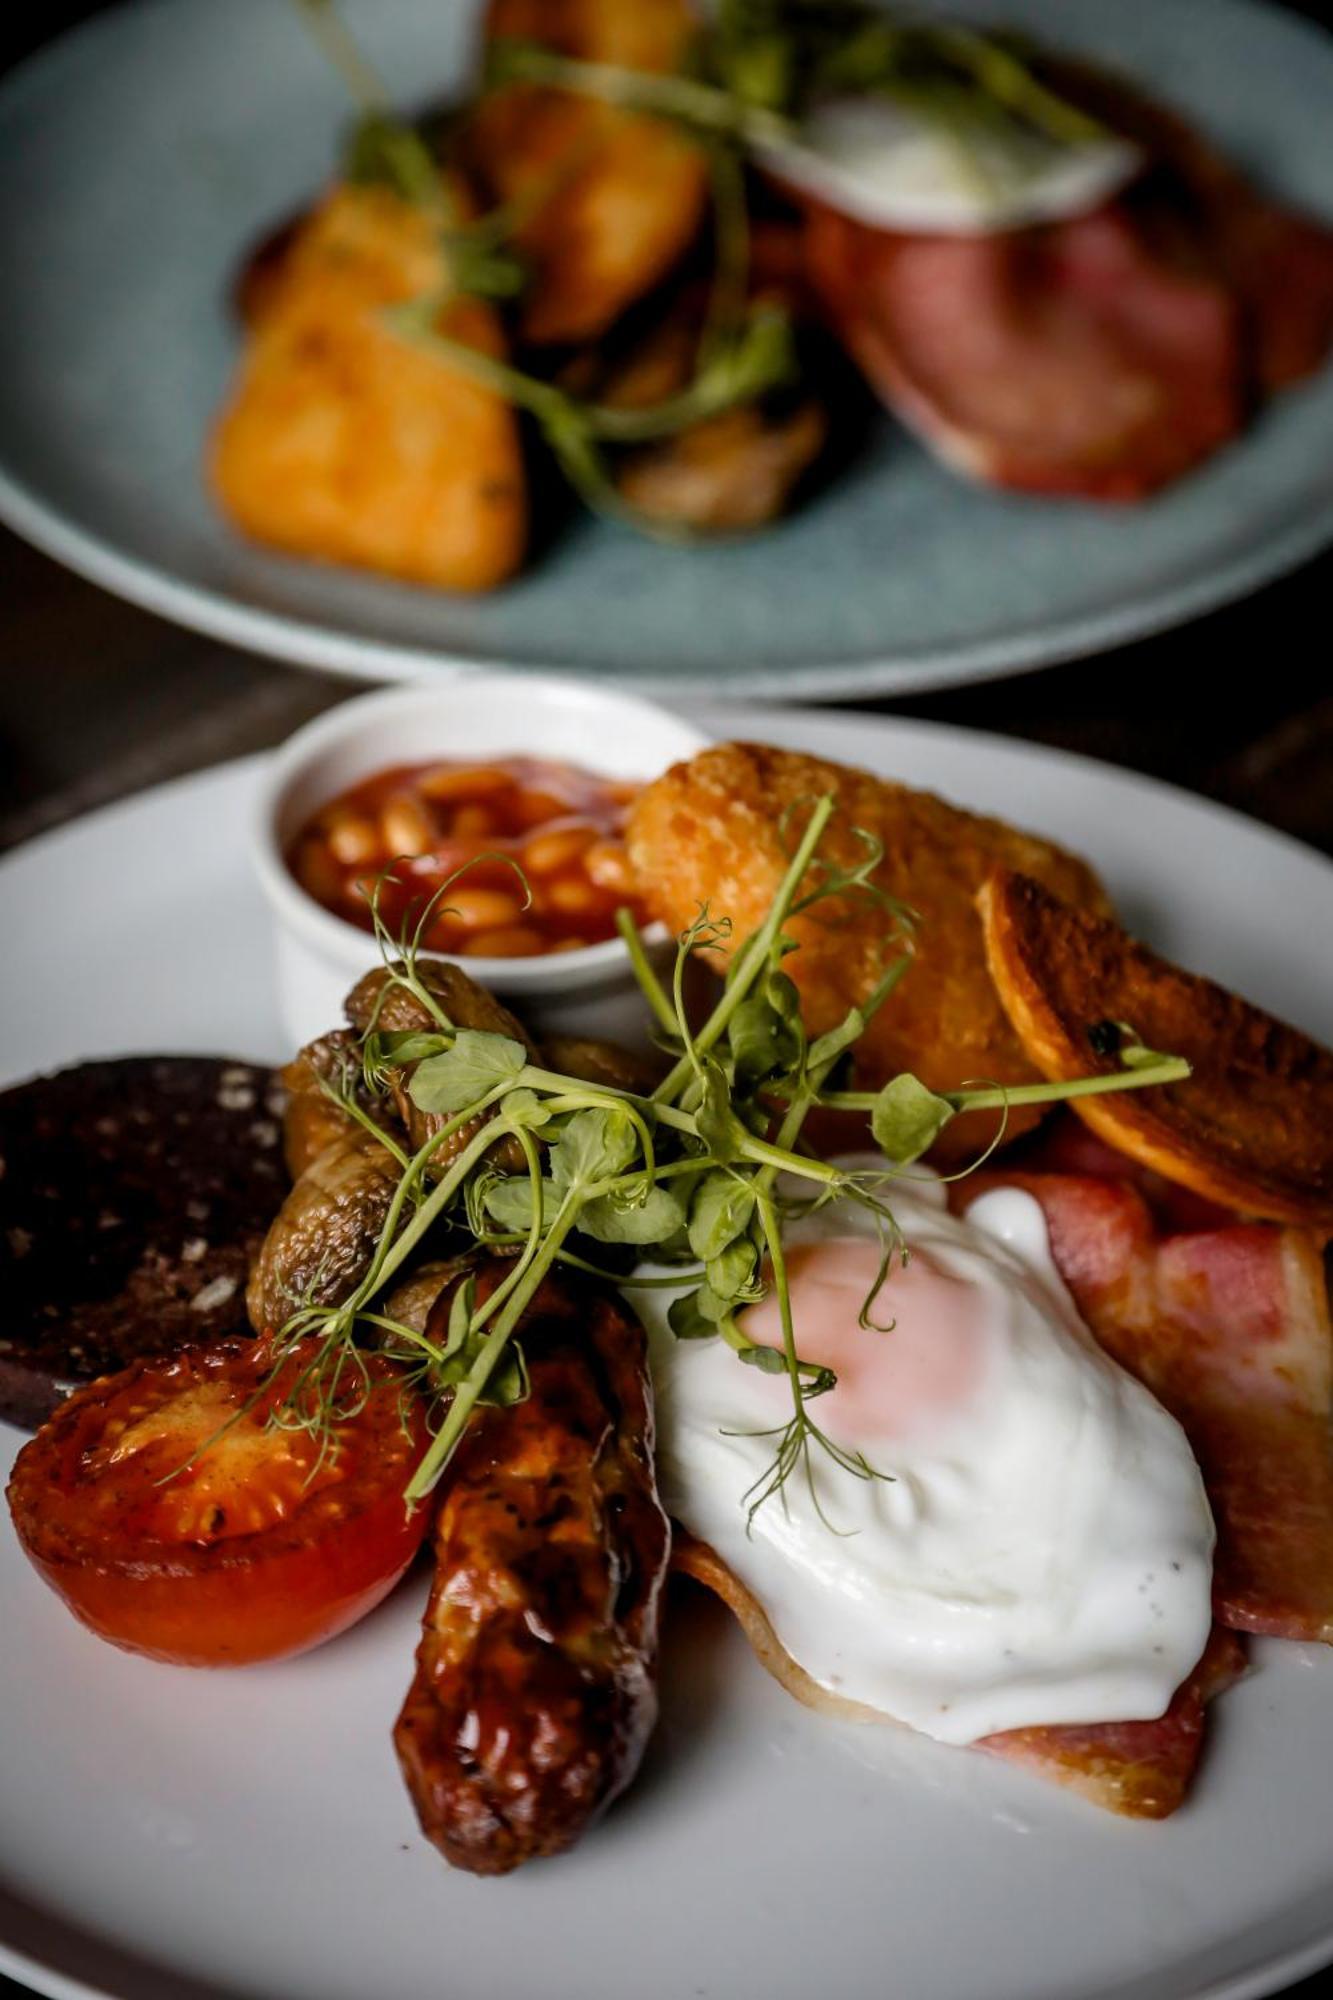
319,956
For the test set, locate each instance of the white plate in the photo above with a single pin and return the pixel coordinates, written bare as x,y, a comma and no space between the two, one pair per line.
166,1835
141,158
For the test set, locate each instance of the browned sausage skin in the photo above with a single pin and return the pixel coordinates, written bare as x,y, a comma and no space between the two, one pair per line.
535,1688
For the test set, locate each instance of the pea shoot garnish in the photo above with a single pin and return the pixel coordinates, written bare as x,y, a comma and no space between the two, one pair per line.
700,1177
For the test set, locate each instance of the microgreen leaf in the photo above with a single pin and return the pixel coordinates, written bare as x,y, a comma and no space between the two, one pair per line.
828,1047
715,1119
768,1360
508,1381
474,1066
526,1110
733,1273
816,1380
595,1145
656,1217
511,1201
722,1207
687,1322
403,1046
460,1316
765,1033
908,1118
711,1307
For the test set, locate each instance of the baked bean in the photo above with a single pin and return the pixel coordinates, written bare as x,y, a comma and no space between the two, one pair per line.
572,895
548,853
607,864
514,941
405,825
534,808
317,871
353,839
481,909
480,829
472,823
468,781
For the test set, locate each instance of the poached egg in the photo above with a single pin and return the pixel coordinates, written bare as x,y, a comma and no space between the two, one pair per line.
1039,1550
889,166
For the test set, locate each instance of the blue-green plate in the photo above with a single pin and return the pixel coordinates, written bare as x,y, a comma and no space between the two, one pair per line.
142,155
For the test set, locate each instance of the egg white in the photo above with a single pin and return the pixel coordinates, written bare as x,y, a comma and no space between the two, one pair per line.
887,166
1041,1551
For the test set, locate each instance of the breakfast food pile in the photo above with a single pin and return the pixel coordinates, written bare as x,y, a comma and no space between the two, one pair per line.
945,1292
682,250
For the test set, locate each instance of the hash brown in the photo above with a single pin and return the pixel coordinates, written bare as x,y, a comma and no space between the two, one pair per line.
617,196
344,442
711,831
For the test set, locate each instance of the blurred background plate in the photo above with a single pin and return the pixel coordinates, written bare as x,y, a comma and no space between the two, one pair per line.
143,154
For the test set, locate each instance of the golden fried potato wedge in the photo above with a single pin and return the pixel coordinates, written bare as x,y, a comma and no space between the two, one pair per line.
626,192
1253,1126
341,441
712,831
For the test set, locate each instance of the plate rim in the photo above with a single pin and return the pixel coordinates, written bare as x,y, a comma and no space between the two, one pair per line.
1253,1983
306,642
728,715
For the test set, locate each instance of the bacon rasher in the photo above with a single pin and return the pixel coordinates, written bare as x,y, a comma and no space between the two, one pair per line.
1101,356
1227,1322
1066,359
1141,1770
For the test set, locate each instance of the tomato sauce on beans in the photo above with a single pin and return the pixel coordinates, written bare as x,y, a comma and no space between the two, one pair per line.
562,826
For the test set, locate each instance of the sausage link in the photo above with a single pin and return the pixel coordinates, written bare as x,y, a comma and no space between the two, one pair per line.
535,1687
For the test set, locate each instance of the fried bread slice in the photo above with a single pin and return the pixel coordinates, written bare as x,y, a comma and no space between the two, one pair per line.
1252,1127
1141,1770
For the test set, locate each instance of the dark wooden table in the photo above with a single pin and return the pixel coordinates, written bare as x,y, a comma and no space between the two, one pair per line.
98,699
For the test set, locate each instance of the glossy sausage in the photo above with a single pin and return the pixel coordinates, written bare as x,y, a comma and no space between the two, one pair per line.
535,1686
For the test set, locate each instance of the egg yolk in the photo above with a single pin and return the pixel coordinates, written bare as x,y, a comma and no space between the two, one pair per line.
922,1355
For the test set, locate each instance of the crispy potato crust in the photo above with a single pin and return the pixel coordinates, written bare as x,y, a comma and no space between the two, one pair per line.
344,443
711,831
1253,1126
627,192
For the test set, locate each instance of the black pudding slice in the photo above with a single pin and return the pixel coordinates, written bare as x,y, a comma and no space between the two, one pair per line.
133,1196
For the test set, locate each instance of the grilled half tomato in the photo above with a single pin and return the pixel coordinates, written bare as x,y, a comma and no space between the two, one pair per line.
171,1535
